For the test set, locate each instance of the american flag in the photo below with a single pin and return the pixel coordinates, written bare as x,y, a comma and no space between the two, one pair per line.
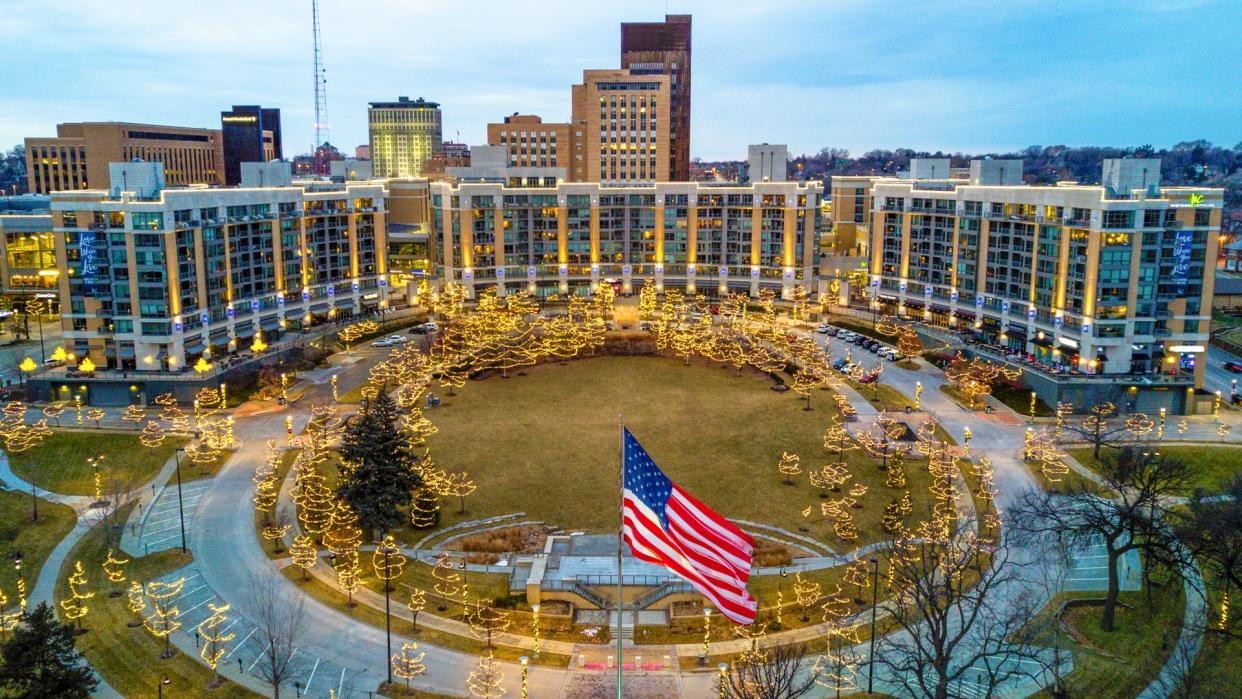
665,525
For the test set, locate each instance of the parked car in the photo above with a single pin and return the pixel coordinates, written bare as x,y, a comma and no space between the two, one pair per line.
869,378
839,363
418,330
833,330
389,341
860,339
1234,367
885,352
430,327
823,329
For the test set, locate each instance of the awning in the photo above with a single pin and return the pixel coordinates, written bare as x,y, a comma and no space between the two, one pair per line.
194,345
341,303
270,323
969,315
318,307
939,309
1044,341
245,331
219,337
127,353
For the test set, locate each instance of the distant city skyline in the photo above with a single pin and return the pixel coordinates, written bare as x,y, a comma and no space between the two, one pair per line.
953,76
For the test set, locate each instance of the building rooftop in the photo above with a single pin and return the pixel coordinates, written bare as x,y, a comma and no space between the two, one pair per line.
404,102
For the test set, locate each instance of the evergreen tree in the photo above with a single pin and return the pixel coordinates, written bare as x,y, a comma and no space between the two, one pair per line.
39,660
381,484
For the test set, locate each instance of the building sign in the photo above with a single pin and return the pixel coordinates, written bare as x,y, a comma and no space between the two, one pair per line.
1181,258
90,261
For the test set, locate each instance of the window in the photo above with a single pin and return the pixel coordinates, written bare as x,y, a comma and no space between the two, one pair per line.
1203,217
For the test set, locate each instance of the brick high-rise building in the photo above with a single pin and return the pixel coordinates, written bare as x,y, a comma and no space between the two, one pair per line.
78,156
663,48
620,127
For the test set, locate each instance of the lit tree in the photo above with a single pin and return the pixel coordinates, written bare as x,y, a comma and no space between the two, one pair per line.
276,530
908,342
837,441
457,485
8,620
830,477
342,535
425,509
417,603
485,681
72,604
53,412
647,300
974,378
789,467
844,526
807,593
882,437
891,521
388,561
95,415
409,664
856,574
165,616
348,574
449,583
114,569
266,483
896,474
486,620
1098,428
304,554
215,635
152,435
311,495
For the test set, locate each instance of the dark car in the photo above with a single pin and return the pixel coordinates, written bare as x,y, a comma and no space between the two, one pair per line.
1234,367
860,339
418,330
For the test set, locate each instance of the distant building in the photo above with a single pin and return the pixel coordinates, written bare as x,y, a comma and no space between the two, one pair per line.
492,164
362,152
455,150
530,142
663,48
251,135
404,136
767,163
621,128
78,156
28,257
351,170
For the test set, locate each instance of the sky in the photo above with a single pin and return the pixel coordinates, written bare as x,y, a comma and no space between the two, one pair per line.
953,75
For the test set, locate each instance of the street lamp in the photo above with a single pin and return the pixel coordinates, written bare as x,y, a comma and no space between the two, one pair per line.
523,660
1216,406
967,434
724,672
534,608
875,591
707,633
180,506
164,681
386,549
918,394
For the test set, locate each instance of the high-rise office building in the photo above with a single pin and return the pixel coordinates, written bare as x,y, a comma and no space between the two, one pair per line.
620,128
530,142
663,48
78,156
404,136
251,135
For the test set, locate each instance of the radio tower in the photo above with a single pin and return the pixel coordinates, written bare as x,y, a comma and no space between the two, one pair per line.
321,95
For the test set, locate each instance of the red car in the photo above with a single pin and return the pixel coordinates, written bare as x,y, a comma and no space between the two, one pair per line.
1234,367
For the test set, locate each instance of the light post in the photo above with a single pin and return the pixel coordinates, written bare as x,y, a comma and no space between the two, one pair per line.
21,580
707,633
918,394
1033,399
164,681
1164,414
967,434
1233,388
534,608
284,387
289,428
523,660
335,397
875,592
724,672
180,506
386,549
1216,407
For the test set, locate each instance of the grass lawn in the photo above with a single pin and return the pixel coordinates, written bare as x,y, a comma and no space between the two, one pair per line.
547,444
34,539
1067,481
128,658
1119,664
1212,466
191,471
59,464
881,395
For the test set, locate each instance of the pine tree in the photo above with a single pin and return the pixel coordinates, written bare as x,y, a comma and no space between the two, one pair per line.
40,660
384,477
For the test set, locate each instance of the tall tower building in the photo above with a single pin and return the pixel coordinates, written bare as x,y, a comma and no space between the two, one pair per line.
620,128
404,136
663,48
251,135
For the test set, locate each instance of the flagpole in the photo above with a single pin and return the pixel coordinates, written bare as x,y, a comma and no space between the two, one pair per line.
620,542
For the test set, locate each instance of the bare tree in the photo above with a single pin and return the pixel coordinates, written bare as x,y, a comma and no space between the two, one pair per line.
1099,428
1132,518
280,619
961,611
776,673
1212,529
1187,674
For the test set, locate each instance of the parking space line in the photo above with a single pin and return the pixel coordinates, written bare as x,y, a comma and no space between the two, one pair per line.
259,657
311,677
243,641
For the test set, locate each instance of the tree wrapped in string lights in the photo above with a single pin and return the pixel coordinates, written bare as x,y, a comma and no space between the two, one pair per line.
136,602
215,634
348,574
135,414
788,467
114,570
53,411
408,664
387,561
417,603
72,604
830,478
165,616
806,593
973,378
486,620
449,582
647,300
484,682
304,554
152,435
266,483
457,485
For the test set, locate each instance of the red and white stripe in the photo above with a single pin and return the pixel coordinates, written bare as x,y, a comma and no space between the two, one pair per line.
702,547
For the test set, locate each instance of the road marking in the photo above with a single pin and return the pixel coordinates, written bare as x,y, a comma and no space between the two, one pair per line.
311,678
242,642
260,656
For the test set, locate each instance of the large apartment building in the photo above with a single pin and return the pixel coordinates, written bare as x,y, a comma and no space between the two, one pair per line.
569,238
404,135
663,48
79,155
624,119
1078,281
156,277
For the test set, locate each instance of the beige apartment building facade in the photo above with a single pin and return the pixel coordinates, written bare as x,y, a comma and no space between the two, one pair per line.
624,123
78,156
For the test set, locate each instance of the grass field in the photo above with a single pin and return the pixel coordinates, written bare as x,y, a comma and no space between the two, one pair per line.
59,464
547,444
1212,466
128,658
1119,664
34,539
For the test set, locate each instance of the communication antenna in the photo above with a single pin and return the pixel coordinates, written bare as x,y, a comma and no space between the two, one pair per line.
321,94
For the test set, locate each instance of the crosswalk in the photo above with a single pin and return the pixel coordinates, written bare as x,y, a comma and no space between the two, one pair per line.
310,675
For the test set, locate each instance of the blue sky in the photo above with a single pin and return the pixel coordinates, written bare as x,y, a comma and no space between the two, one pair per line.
952,74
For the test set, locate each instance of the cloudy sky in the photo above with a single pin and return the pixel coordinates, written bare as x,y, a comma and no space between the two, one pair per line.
951,74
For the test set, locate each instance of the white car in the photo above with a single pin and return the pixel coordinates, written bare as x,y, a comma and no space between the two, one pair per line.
430,327
389,341
823,329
